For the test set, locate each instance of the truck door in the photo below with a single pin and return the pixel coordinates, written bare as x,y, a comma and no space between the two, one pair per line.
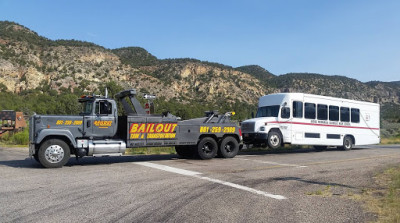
102,124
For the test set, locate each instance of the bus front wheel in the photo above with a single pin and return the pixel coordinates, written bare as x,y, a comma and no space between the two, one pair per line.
274,140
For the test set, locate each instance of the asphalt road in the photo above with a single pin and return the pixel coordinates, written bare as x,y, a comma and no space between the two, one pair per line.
299,186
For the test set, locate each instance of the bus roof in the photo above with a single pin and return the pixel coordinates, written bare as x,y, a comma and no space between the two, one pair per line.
303,96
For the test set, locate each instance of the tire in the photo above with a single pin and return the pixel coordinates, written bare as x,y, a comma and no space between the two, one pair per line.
347,143
320,148
228,148
54,153
274,140
207,148
184,151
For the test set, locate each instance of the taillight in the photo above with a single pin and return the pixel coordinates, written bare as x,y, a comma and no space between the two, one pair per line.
240,132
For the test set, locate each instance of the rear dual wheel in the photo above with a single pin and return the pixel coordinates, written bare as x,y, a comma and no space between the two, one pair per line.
207,148
228,148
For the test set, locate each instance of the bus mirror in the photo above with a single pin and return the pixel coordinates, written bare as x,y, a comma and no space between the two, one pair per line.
284,104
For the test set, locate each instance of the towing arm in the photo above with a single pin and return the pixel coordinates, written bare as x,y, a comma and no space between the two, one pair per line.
136,104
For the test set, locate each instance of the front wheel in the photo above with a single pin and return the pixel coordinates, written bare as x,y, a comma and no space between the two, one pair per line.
274,140
53,153
228,148
207,148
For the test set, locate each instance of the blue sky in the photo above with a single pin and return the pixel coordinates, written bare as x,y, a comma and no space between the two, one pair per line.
357,39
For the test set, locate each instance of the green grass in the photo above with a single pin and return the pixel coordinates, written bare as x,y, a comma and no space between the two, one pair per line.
151,151
391,140
385,201
19,138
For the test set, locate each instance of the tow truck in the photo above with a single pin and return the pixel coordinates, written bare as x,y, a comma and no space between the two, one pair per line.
99,131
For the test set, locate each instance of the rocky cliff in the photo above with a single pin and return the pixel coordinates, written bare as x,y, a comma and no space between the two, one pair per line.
29,61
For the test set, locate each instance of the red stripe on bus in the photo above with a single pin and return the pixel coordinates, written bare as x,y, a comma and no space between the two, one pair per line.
339,126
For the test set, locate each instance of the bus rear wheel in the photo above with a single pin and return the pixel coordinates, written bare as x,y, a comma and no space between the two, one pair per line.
347,143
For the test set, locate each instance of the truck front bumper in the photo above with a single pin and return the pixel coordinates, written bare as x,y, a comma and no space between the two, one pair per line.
255,138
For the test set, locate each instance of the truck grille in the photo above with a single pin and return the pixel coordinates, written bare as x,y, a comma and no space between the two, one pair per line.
248,126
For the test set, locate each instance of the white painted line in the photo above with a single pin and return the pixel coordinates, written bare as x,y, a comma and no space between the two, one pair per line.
241,187
196,175
273,163
169,169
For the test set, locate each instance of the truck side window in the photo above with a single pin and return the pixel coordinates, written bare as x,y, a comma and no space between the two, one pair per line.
333,113
322,112
309,109
344,114
297,109
103,108
285,112
355,115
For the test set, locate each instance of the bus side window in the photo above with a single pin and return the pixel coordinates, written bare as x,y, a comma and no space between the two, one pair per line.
344,114
297,109
355,115
285,112
333,113
322,112
309,109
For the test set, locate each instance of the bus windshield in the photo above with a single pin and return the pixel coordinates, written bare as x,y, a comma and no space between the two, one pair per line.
268,111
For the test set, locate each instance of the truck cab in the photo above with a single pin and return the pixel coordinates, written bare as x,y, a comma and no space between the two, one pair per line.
100,117
93,132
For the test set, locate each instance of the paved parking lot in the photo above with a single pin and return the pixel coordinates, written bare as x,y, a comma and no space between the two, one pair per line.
299,186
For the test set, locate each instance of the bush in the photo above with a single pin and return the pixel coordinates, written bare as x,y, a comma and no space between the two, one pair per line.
19,138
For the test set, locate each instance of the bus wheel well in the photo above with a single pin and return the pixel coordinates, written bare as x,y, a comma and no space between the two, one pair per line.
352,138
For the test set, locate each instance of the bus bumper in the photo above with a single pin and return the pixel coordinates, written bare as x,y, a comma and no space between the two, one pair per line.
255,138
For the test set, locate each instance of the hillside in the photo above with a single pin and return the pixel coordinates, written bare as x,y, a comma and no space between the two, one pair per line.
34,66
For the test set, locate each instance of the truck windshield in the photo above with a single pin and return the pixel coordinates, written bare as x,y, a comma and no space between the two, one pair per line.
87,108
268,111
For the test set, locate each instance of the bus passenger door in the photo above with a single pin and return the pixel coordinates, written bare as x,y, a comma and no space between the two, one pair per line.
285,124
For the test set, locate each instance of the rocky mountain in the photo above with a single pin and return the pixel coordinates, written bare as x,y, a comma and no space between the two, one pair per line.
29,62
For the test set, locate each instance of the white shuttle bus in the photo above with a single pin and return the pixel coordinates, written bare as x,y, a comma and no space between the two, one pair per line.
306,119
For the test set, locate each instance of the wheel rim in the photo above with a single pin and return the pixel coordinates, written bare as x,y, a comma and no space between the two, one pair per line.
347,143
207,148
54,154
229,147
274,140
